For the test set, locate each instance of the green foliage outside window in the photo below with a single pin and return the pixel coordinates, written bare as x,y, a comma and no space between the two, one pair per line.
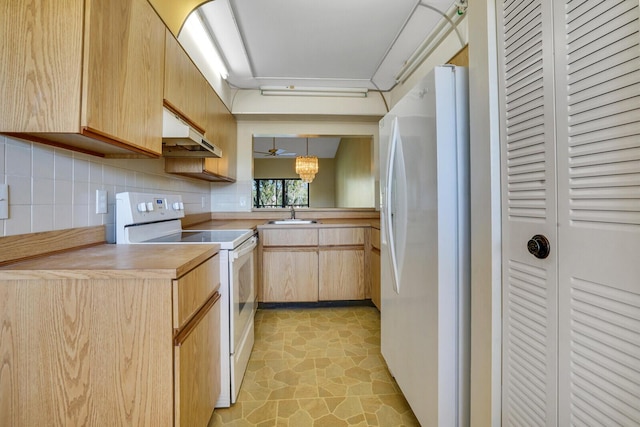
280,193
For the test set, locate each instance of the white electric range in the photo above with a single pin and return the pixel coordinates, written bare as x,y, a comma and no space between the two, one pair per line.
146,218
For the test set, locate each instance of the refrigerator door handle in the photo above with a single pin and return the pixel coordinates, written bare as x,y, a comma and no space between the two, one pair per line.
395,135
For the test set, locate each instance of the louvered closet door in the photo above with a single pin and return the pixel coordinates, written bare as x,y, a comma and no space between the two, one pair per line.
528,193
598,146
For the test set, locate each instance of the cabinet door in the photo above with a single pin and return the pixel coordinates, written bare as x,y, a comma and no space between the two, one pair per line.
230,137
184,86
375,277
341,274
215,132
41,53
124,73
289,275
197,367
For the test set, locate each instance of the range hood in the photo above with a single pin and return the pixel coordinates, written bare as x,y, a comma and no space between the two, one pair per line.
181,140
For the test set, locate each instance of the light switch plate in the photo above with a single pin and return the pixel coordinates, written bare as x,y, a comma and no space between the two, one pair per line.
101,201
4,201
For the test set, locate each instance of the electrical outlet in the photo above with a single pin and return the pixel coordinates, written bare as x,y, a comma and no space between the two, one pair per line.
4,201
101,201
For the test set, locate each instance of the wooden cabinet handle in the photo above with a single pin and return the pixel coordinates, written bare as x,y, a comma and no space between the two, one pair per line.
183,333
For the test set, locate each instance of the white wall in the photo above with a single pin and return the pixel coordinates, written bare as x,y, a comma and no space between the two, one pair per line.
486,286
55,189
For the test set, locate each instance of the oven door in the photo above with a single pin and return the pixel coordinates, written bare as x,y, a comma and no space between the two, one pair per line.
242,290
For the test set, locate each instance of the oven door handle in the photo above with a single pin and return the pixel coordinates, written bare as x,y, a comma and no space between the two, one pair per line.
245,248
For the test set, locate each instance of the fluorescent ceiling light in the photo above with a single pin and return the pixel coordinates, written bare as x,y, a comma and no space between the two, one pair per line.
314,91
195,28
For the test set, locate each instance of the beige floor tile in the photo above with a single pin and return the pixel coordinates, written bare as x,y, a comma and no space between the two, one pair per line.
316,368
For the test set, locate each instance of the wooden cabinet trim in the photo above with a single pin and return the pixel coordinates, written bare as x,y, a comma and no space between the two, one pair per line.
342,248
194,287
290,249
183,115
118,142
183,333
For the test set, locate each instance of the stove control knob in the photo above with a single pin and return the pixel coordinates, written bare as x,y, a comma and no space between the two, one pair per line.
150,206
176,206
142,207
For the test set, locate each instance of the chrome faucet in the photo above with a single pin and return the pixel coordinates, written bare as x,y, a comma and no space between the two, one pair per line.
293,213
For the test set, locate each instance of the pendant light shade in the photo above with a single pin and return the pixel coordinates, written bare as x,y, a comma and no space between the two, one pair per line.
307,166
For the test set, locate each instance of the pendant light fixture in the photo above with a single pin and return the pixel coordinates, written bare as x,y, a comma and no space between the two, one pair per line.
307,166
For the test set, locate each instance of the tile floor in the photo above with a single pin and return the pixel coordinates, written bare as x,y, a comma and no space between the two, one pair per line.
317,367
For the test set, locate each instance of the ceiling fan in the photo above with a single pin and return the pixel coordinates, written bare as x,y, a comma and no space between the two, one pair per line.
275,152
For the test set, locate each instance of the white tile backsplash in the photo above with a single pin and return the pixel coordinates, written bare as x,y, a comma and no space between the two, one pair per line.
63,193
80,215
18,158
19,220
19,189
80,193
63,165
54,189
62,217
42,218
80,170
95,173
43,191
2,158
43,162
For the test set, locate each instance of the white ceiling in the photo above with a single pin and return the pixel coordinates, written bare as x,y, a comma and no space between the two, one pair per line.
330,43
322,147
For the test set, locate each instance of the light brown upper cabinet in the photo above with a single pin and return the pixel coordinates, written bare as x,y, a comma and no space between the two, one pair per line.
184,85
221,129
83,74
188,94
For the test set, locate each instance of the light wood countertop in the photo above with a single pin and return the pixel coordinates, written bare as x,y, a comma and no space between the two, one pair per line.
110,261
261,223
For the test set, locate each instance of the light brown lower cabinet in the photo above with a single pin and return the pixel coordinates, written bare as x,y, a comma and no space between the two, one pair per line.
290,275
341,274
314,264
197,380
375,267
86,349
375,277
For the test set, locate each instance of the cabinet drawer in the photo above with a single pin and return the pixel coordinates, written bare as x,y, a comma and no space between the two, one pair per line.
375,238
192,290
341,236
288,237
197,367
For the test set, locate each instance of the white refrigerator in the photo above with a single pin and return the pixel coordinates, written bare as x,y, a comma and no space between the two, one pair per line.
424,201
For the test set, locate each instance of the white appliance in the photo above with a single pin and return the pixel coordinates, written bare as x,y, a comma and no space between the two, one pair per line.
143,218
424,200
179,139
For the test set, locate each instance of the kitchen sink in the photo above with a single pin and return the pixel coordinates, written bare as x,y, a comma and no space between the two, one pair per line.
292,221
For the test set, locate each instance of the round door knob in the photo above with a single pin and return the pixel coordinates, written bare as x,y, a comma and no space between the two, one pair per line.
539,246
